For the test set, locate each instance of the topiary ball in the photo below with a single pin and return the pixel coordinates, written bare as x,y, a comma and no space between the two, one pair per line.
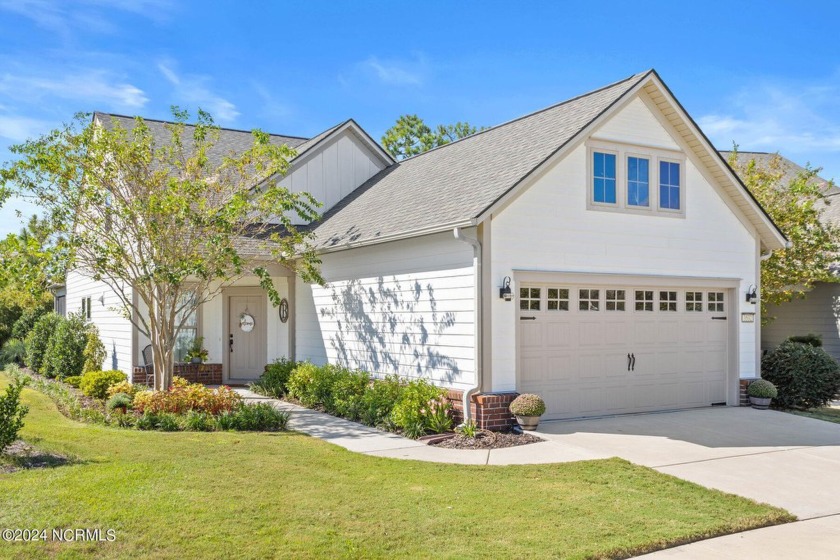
527,404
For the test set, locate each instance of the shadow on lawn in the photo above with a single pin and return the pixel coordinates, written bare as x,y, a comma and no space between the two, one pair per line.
22,456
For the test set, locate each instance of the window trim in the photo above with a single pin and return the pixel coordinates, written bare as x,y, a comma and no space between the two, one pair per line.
654,155
199,323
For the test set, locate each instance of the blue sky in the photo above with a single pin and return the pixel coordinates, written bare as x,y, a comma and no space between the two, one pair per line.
763,74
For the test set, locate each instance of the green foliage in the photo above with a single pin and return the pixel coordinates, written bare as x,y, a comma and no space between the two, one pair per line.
348,390
119,400
27,320
197,350
183,397
258,417
379,400
13,351
417,401
73,380
65,355
165,216
814,340
66,400
411,136
468,429
527,404
762,389
439,419
796,207
11,414
94,353
195,421
126,387
38,340
167,422
311,384
96,383
805,376
272,383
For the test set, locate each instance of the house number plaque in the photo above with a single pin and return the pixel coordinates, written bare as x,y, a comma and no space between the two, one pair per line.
284,310
246,322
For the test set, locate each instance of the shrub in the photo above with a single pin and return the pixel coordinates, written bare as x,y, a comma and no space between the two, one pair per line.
379,400
38,339
181,398
312,385
439,419
10,312
67,401
11,414
73,381
13,352
119,400
348,390
168,422
762,389
527,404
468,429
259,417
226,421
129,389
27,321
272,383
65,351
94,353
96,383
411,412
195,421
805,376
147,421
812,339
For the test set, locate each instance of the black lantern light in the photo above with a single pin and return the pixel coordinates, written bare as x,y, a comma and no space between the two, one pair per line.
504,291
752,294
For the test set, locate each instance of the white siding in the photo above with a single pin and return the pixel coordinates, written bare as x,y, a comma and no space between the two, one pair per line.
818,312
114,329
334,170
549,228
403,308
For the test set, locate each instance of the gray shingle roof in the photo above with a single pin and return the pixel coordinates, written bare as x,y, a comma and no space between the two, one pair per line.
459,181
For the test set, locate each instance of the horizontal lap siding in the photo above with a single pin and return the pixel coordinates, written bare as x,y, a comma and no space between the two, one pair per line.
818,312
403,308
114,329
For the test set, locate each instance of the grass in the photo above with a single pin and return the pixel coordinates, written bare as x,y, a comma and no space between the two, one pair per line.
286,495
827,414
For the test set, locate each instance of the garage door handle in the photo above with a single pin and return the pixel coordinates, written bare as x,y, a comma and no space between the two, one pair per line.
633,367
629,361
719,318
527,318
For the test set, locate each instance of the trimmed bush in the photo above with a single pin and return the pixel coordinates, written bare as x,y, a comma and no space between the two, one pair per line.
123,387
527,404
805,376
73,380
38,340
762,389
811,339
11,414
312,385
272,383
348,391
259,417
94,353
96,383
412,411
379,400
13,352
65,352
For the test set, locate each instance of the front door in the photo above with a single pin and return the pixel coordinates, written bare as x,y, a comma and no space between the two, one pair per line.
247,336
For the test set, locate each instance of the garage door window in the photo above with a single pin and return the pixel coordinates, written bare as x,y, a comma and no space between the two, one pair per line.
558,299
667,301
644,300
694,301
716,302
615,300
529,298
589,300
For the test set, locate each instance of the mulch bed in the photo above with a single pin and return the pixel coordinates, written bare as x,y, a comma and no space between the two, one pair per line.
486,439
20,455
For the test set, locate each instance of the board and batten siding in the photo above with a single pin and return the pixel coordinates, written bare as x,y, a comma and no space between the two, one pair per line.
114,329
405,308
818,312
333,171
548,228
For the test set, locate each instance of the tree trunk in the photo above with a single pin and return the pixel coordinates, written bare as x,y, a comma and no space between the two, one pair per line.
163,358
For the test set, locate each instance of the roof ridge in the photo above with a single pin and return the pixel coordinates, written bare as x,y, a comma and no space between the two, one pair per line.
188,124
531,114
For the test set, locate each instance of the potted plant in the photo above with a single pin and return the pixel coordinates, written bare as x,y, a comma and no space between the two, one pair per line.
528,408
761,392
197,354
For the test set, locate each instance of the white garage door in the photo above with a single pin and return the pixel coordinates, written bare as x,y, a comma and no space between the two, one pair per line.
592,350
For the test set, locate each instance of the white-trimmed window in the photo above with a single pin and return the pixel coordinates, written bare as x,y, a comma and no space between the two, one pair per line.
716,302
644,300
557,299
667,300
635,179
588,299
615,300
189,331
694,301
529,298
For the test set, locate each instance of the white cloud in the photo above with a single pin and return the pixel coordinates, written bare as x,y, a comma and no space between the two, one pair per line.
397,72
66,18
89,86
192,90
18,129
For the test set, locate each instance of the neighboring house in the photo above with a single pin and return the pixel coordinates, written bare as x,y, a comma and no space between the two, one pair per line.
596,252
819,311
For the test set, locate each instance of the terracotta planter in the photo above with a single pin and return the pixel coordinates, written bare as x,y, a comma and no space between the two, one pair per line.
760,403
528,422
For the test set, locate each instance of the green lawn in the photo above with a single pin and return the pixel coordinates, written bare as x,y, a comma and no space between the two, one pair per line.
827,414
240,495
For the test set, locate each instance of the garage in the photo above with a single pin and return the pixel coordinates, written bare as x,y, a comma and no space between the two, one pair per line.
593,349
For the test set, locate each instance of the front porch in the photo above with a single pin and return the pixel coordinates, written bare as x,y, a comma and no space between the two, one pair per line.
208,374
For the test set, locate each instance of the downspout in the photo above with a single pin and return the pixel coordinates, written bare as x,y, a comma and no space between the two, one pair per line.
479,375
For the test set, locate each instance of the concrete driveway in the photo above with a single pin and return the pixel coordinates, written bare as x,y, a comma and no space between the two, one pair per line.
772,457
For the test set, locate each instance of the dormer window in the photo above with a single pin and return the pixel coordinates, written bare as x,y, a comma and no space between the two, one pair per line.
621,176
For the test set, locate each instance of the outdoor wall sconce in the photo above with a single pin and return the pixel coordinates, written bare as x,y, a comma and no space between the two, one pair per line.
504,291
752,294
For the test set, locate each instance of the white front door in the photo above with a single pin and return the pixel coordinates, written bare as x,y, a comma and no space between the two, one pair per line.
591,350
247,334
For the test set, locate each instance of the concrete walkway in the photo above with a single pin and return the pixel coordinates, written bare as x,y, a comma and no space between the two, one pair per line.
785,460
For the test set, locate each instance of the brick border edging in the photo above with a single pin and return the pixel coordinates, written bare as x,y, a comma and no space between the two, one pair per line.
209,374
489,410
743,383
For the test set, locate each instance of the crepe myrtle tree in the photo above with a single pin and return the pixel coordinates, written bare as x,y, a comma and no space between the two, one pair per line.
168,221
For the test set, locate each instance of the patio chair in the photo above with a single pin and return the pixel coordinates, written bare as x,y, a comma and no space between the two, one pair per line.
148,366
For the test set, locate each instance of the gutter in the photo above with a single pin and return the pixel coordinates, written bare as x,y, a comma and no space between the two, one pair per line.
479,375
